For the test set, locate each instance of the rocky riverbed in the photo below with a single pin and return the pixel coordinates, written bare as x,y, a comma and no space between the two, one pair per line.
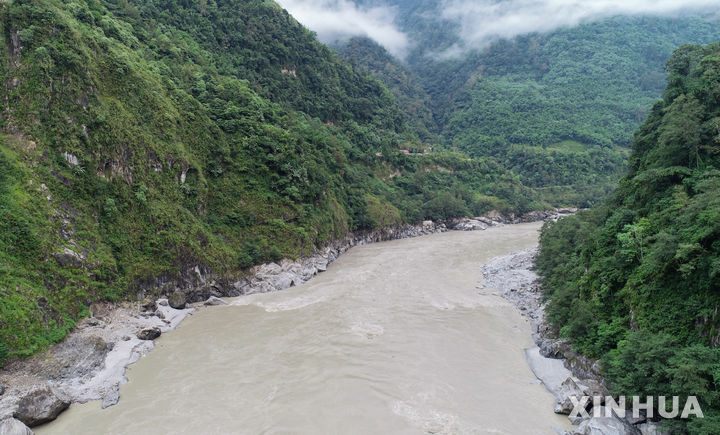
564,372
90,363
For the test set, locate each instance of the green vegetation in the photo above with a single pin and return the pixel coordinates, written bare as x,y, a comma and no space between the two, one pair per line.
593,83
637,280
145,139
368,56
590,85
142,140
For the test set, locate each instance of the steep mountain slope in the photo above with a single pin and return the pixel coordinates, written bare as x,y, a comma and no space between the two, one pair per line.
369,56
143,142
637,281
593,84
558,108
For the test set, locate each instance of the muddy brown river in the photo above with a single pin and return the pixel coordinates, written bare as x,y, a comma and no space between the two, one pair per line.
395,338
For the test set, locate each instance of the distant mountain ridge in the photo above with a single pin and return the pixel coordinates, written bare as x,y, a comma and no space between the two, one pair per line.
567,100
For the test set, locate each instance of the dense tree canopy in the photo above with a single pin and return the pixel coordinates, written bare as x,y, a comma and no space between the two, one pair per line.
637,280
558,109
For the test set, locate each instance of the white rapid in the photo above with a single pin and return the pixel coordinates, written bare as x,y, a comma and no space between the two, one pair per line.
395,338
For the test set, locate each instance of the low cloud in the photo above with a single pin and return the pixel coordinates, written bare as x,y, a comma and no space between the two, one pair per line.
334,20
483,21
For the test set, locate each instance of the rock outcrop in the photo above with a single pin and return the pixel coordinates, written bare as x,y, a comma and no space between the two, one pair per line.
552,347
214,301
75,357
471,225
569,390
177,300
605,426
111,398
40,406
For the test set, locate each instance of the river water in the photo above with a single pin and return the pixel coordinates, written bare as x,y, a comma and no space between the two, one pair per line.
395,338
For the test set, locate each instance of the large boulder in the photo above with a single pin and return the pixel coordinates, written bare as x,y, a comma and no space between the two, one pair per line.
282,281
320,263
470,225
11,426
593,388
40,406
177,300
68,258
605,426
149,333
580,365
274,275
568,389
76,357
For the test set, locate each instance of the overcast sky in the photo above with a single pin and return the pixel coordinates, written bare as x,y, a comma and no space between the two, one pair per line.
479,21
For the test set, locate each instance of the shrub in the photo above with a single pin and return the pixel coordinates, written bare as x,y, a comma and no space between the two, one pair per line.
4,352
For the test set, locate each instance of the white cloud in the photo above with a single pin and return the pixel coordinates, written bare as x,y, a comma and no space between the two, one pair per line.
482,21
334,20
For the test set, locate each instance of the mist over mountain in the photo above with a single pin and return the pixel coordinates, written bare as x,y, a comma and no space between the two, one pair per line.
338,20
559,108
476,24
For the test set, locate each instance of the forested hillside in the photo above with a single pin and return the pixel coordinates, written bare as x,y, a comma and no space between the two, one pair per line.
369,56
559,108
637,280
144,141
